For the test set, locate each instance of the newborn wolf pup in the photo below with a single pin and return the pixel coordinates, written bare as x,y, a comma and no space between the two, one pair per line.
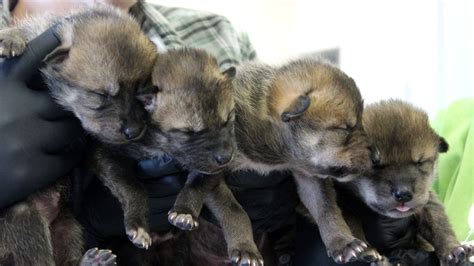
399,187
102,60
304,117
192,120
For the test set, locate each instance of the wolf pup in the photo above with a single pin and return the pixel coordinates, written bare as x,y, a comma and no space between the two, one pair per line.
102,61
191,119
399,187
304,117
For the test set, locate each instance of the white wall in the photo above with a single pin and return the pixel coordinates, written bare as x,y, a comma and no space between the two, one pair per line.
417,50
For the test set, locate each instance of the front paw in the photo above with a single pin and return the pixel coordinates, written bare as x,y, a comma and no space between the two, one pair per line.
139,237
371,255
347,252
183,220
459,254
98,257
246,257
11,45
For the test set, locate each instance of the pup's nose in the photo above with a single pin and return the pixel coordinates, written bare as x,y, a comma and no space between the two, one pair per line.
374,155
133,131
402,195
223,158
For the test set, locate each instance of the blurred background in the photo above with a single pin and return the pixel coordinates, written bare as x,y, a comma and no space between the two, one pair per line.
420,51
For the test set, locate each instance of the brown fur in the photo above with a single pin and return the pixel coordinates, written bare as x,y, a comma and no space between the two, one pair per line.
102,61
409,150
304,117
191,120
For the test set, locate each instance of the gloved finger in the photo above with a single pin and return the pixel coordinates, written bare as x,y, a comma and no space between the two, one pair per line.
158,167
48,109
169,185
62,137
162,205
251,179
58,165
25,66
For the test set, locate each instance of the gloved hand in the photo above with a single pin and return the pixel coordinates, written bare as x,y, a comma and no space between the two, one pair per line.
265,199
36,136
101,214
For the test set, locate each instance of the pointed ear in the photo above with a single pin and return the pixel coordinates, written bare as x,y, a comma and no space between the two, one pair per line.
297,108
230,72
443,146
147,95
57,56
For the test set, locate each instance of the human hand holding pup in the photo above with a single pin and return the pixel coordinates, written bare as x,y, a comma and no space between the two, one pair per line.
36,135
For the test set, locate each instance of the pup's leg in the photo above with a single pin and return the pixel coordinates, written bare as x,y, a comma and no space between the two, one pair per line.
12,42
435,228
66,234
117,175
235,225
319,197
190,200
25,236
370,255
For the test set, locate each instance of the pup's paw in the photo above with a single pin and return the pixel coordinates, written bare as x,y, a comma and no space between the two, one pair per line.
371,255
243,257
98,257
183,221
457,255
349,252
11,45
139,237
382,262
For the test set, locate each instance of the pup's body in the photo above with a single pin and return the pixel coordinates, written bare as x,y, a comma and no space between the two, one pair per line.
95,72
192,120
304,117
399,187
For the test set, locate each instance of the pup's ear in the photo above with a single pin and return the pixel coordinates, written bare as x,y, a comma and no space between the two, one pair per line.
230,72
147,95
443,146
61,53
57,56
297,108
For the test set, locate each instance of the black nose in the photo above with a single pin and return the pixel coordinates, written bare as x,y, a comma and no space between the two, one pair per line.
402,195
223,158
374,155
132,131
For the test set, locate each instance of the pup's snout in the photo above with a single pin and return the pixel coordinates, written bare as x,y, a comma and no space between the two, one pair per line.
223,157
374,155
401,195
133,131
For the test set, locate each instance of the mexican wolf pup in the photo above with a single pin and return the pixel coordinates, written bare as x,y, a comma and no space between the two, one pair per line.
102,60
191,119
304,117
399,188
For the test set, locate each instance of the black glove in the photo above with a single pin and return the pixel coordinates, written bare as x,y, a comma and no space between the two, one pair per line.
102,215
266,199
36,136
269,200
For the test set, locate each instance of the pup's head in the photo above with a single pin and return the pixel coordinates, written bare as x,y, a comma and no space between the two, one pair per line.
191,104
103,60
321,109
409,150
